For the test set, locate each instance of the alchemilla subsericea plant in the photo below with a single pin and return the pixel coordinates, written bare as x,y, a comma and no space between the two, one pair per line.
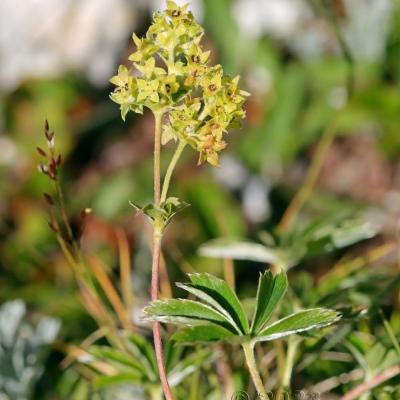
170,75
195,104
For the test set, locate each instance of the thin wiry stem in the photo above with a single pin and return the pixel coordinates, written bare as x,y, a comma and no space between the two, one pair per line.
157,237
170,170
157,157
64,215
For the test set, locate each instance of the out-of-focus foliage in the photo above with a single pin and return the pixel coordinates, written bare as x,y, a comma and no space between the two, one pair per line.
24,348
316,69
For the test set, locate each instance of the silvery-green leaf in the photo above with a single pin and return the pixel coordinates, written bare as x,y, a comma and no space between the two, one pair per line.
351,232
11,316
24,347
210,300
270,291
327,235
47,330
301,321
238,250
187,312
223,294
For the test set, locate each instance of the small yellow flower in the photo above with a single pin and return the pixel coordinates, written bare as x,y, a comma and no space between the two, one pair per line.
212,81
144,49
196,56
124,94
122,78
209,146
175,12
147,90
149,69
169,85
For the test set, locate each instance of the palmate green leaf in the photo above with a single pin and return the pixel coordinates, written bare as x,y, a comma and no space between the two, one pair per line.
301,321
220,317
270,291
187,312
202,334
210,300
223,294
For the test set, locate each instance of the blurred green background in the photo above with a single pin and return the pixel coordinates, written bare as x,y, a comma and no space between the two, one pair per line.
311,66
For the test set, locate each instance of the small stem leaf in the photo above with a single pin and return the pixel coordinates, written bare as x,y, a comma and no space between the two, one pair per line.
186,312
202,334
163,213
270,291
224,248
299,322
223,294
172,206
150,210
210,300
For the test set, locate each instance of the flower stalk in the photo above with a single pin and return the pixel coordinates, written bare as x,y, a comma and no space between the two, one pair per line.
170,170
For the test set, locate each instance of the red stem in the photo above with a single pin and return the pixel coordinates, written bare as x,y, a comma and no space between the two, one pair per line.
156,325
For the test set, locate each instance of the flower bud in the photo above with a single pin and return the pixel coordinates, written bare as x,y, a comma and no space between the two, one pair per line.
52,227
41,151
49,199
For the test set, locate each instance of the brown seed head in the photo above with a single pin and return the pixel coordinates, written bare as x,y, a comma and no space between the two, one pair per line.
41,151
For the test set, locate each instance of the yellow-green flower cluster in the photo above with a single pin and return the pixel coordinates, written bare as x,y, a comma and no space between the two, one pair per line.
170,73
